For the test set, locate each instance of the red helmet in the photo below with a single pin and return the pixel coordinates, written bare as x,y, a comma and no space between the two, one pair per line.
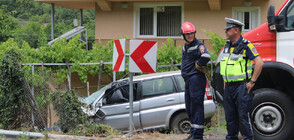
188,27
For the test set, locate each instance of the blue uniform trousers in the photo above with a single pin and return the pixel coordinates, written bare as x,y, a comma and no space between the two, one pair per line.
194,97
238,107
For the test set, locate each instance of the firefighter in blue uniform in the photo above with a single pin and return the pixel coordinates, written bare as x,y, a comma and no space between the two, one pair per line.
194,59
239,77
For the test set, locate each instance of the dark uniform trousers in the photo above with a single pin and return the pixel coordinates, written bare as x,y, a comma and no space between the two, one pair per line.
238,106
194,97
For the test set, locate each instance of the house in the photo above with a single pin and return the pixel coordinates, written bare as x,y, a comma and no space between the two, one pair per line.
160,19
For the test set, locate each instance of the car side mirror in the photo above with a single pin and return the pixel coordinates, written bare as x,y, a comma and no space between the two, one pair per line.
99,104
271,18
275,23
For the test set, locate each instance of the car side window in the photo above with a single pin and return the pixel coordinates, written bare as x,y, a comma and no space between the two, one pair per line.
156,87
181,82
119,95
290,16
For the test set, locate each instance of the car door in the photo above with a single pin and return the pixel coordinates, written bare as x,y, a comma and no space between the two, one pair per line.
285,36
115,109
159,98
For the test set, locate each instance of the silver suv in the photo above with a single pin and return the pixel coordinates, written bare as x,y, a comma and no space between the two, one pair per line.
158,103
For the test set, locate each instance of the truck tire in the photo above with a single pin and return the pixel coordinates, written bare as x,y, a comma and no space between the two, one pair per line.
272,115
180,123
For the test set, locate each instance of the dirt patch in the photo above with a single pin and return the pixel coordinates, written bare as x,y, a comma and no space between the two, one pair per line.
215,134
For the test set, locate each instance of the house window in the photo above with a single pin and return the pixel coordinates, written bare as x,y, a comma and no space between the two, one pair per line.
158,20
250,16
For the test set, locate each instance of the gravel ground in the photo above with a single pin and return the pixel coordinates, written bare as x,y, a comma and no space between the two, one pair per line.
215,134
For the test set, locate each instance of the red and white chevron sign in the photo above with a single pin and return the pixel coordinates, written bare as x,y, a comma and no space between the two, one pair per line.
143,56
119,47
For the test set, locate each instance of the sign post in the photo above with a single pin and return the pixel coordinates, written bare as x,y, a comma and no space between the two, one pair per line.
143,58
131,104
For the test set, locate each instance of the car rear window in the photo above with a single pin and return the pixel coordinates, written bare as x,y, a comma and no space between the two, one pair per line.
181,82
157,87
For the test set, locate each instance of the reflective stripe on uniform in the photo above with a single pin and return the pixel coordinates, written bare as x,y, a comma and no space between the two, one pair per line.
225,55
235,57
205,55
192,48
235,77
197,126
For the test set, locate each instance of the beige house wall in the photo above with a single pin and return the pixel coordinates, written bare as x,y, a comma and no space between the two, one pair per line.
120,21
114,24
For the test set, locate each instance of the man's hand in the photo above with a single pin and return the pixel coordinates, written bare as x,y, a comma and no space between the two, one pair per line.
202,69
249,86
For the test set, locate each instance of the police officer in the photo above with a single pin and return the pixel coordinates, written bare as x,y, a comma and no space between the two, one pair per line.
239,77
194,59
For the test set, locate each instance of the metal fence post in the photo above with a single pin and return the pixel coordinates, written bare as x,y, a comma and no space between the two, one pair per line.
68,76
88,89
172,65
114,76
48,110
33,94
100,73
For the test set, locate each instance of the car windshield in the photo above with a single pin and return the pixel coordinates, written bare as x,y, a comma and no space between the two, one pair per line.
95,95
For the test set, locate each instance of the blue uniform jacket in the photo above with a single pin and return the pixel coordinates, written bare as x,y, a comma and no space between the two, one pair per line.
191,53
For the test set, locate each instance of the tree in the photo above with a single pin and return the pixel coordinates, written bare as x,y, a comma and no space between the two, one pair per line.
34,15
11,84
27,9
7,24
29,33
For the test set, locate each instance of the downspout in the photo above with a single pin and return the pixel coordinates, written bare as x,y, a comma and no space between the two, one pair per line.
81,23
52,20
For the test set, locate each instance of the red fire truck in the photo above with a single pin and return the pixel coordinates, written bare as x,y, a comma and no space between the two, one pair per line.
273,103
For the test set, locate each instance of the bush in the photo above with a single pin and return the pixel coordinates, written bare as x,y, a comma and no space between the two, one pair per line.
11,89
68,108
72,119
217,43
168,53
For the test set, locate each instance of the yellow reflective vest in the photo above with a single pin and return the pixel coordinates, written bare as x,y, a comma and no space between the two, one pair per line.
234,67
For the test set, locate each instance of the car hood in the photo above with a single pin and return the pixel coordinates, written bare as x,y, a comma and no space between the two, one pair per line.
94,99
